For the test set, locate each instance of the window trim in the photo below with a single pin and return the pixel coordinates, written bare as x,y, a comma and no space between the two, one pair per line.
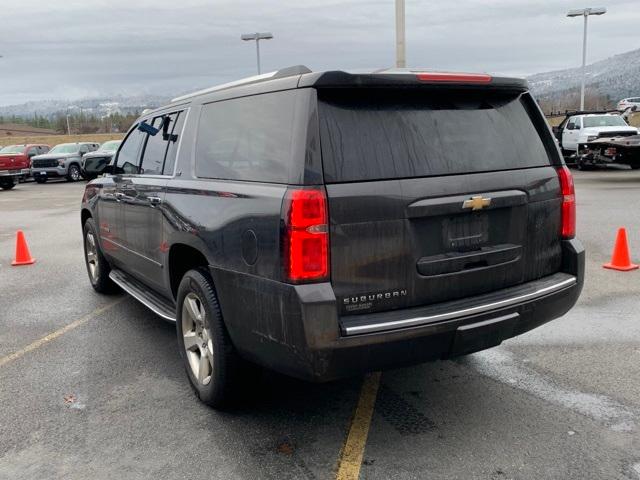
187,110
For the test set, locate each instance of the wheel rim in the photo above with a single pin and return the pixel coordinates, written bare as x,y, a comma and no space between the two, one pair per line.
75,174
197,339
92,257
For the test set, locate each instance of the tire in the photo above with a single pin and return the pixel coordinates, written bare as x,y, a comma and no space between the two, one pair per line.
212,364
8,184
97,266
41,179
73,173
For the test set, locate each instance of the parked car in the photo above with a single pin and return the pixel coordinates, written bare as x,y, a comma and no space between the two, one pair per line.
94,163
63,160
15,163
582,127
626,103
326,224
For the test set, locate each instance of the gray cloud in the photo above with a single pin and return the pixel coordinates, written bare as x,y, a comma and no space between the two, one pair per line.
73,49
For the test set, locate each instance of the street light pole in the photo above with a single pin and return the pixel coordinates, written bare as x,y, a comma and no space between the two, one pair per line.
401,60
585,12
257,37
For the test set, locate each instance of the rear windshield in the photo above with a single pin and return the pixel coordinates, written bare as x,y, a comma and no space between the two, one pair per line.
375,135
604,121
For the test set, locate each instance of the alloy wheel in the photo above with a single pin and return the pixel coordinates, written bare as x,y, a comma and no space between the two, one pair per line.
92,257
197,339
74,173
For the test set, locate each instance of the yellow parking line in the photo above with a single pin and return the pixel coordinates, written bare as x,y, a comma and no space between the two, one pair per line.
53,335
351,456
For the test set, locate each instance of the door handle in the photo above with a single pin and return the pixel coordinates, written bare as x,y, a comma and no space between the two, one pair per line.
153,201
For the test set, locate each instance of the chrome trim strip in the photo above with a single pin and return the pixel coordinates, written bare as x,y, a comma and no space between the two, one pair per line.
417,321
140,298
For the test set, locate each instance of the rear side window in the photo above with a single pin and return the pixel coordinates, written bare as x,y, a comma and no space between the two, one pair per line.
155,149
247,138
176,121
370,134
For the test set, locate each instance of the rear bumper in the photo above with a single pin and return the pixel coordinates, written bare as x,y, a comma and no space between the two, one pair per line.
296,329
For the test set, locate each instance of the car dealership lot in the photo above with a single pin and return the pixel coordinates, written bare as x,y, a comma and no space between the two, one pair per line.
108,397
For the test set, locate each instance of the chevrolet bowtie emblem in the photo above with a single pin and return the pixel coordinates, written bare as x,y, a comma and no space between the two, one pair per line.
476,203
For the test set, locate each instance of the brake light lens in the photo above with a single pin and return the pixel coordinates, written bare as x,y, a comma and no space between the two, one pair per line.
306,242
568,226
454,77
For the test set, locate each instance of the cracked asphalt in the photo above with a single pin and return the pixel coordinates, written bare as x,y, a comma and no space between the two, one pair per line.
109,398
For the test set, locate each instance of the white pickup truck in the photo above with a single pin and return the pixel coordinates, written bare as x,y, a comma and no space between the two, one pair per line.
582,128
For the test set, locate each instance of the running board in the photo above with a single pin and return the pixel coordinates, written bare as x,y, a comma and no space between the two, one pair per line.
144,295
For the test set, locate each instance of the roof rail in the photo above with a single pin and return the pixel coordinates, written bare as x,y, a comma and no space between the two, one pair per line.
282,73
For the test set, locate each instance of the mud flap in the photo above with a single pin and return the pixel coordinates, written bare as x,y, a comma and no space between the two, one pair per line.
478,336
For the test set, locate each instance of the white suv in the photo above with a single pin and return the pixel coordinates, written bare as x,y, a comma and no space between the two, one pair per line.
629,102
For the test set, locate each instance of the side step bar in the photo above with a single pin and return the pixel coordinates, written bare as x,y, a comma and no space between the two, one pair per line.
144,295
385,321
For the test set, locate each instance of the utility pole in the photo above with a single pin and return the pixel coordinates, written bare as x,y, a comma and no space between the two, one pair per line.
401,60
68,127
585,12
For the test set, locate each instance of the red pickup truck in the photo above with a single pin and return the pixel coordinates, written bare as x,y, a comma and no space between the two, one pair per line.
15,163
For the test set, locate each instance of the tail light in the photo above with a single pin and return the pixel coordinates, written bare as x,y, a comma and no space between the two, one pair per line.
568,228
454,77
306,236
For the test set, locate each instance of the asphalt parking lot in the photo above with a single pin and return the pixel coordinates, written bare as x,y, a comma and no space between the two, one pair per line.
107,397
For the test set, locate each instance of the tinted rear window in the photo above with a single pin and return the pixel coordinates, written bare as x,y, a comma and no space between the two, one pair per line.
248,138
374,135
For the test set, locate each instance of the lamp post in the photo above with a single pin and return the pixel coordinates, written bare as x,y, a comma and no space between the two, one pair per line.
257,37
585,12
401,60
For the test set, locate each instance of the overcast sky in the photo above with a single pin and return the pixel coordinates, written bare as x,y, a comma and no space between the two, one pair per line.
70,49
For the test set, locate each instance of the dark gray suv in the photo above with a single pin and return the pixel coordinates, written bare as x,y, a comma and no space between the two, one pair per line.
331,223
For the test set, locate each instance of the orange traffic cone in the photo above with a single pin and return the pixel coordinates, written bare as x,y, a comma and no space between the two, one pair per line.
620,259
23,256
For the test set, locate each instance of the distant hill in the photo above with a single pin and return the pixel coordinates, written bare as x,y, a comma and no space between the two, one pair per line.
99,107
614,78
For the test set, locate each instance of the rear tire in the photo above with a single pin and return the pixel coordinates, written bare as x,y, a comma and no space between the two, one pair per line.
97,266
41,180
212,363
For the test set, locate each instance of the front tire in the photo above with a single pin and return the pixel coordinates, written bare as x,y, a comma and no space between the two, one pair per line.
73,175
210,359
8,184
97,266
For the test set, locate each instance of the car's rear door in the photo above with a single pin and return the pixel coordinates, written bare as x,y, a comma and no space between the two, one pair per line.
143,200
436,195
